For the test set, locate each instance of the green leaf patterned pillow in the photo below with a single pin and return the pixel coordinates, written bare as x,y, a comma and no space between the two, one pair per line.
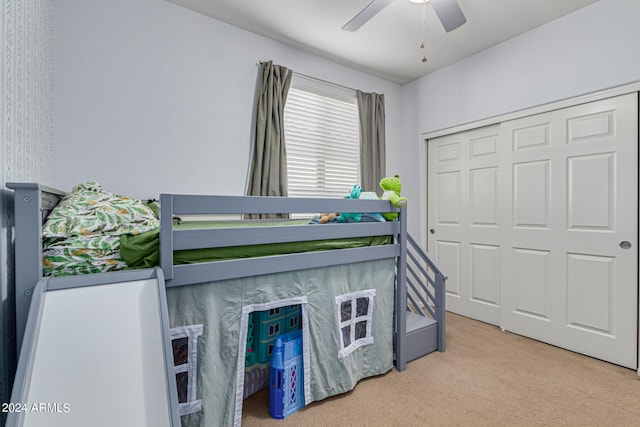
89,210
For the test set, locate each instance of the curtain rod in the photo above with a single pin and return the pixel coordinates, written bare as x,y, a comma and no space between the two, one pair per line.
318,79
323,81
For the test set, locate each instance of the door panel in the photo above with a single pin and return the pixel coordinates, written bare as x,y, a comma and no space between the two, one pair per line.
591,288
484,196
448,196
464,189
531,192
532,282
448,254
591,192
485,273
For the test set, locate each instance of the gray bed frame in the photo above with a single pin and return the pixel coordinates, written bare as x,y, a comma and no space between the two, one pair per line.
419,291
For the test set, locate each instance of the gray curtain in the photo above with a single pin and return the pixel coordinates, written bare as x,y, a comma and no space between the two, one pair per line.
372,140
268,173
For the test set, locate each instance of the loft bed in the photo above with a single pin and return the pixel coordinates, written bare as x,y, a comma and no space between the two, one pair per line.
209,303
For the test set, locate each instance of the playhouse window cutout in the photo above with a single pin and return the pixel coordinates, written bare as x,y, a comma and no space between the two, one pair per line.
355,320
361,330
345,312
184,342
362,306
182,383
180,350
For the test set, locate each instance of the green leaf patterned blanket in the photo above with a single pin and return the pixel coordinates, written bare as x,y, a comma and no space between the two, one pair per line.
82,233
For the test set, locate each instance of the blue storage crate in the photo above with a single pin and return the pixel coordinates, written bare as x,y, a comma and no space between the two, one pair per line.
286,379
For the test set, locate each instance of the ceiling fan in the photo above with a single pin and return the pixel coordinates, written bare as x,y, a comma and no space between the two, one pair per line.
448,12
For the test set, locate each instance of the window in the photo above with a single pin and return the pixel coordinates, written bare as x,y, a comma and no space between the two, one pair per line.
322,134
274,311
274,329
293,322
355,312
184,341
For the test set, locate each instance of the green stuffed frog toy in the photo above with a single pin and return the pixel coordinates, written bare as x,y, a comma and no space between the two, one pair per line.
392,187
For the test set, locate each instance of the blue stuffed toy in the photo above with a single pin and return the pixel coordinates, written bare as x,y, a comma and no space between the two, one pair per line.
350,216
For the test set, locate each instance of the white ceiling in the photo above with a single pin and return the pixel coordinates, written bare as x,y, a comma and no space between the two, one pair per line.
388,45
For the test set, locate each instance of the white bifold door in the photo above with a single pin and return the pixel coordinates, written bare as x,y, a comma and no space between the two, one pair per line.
535,223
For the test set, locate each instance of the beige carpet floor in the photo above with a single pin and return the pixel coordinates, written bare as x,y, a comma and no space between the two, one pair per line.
486,377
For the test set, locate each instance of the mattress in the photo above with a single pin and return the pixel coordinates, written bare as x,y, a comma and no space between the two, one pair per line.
143,250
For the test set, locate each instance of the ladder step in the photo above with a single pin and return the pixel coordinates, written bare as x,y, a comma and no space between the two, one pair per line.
422,336
415,321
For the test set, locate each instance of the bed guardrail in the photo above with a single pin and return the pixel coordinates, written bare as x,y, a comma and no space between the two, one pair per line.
174,239
32,203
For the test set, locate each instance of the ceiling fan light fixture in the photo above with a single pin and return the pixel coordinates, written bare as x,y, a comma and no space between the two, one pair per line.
420,1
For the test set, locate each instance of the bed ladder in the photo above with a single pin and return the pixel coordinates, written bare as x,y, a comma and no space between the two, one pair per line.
425,313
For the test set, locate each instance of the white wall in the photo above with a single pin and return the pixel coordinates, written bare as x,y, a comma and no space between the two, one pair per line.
592,49
150,87
150,97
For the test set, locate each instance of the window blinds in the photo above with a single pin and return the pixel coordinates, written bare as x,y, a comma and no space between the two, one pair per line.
322,140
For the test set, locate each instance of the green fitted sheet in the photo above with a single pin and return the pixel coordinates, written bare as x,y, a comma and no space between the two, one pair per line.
143,250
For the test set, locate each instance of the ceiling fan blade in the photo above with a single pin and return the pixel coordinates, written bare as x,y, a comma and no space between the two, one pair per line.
449,13
365,14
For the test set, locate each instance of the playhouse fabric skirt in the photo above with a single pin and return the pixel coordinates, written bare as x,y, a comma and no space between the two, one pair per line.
347,322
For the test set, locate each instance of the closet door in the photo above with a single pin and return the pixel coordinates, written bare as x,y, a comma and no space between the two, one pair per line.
569,240
463,222
535,223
